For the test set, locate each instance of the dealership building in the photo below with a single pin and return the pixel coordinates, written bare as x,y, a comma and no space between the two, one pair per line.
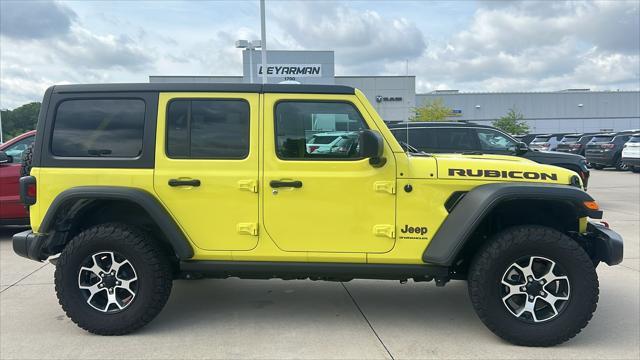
394,97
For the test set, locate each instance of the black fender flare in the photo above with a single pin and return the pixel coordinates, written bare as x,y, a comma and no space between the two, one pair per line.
142,198
466,216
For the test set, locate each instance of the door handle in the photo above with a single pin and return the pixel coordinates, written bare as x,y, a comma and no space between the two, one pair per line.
184,182
278,184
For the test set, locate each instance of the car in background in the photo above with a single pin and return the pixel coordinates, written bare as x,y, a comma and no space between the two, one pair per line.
527,138
470,138
575,143
605,150
631,153
336,142
546,142
12,211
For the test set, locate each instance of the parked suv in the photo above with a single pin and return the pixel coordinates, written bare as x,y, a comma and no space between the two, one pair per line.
605,150
546,142
135,185
455,137
12,211
574,143
631,153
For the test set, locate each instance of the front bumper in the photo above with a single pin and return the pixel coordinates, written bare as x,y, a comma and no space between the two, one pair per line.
607,244
30,245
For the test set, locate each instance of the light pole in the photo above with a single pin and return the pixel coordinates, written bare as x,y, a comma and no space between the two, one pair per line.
249,45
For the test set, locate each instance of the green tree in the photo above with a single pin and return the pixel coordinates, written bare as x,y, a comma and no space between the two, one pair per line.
512,123
19,120
432,110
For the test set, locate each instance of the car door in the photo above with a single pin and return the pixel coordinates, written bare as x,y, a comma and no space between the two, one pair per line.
10,205
333,202
206,171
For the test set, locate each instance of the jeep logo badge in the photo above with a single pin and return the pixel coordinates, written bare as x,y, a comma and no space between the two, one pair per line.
422,230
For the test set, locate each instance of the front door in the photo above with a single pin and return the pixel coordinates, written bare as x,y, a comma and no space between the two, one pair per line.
319,194
207,167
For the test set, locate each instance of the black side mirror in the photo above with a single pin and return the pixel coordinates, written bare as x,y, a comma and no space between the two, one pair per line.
371,147
521,148
4,158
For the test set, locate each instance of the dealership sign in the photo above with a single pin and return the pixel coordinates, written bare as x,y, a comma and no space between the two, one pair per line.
292,70
381,98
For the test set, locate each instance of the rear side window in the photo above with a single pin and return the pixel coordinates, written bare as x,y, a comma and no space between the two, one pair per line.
635,139
431,139
541,139
208,129
99,128
570,139
602,138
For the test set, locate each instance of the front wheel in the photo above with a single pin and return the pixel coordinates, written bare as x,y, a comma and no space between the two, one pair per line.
533,286
112,279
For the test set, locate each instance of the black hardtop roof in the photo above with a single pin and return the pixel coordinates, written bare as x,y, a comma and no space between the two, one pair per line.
204,87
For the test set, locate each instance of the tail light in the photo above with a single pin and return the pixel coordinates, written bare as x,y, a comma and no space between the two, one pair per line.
28,190
607,146
575,146
313,148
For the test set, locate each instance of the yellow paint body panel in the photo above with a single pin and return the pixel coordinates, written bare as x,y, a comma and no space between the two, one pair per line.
346,211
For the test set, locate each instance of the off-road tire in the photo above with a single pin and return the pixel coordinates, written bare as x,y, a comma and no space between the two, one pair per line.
491,262
151,265
27,159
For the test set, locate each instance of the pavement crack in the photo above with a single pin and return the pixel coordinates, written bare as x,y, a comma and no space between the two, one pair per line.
24,277
367,320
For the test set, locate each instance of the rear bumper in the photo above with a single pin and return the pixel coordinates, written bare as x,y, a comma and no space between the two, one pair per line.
607,158
631,161
30,245
608,244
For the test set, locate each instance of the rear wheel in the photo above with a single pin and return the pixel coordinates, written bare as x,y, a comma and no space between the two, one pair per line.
620,166
533,286
112,279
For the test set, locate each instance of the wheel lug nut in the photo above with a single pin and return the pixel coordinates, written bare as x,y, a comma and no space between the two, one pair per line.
530,297
542,293
524,288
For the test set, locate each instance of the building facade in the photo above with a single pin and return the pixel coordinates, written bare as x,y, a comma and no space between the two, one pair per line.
394,97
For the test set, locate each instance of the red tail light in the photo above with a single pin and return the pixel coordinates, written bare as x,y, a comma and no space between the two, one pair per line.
313,148
607,146
32,190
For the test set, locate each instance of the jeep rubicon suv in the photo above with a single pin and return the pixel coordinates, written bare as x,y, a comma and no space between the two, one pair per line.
134,185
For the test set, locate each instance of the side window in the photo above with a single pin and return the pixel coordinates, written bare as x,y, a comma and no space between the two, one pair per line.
99,128
16,150
454,139
317,130
208,129
491,140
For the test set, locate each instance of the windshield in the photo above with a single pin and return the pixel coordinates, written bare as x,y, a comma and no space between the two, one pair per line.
541,139
570,139
602,138
322,139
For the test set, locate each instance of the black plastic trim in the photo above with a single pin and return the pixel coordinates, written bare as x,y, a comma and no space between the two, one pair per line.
29,245
609,246
148,202
463,220
259,269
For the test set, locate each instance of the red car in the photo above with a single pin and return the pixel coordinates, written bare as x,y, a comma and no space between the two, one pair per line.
12,211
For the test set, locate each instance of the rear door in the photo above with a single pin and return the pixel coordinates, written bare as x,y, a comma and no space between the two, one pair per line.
207,166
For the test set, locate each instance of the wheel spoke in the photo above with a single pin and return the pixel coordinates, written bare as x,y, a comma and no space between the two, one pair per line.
112,299
513,290
115,266
526,270
126,285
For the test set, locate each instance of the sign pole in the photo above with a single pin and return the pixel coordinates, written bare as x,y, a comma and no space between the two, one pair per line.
263,34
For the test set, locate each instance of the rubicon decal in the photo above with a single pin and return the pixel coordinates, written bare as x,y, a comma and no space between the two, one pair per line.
505,174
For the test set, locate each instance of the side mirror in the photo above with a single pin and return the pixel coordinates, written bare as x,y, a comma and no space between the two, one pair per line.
4,158
371,147
521,148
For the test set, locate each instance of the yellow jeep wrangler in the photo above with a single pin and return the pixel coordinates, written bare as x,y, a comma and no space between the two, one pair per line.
134,185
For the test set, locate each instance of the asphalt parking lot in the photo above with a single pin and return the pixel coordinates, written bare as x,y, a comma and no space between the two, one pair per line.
271,319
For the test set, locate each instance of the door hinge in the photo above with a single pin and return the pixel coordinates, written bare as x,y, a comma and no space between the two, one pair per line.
385,186
247,228
385,230
249,185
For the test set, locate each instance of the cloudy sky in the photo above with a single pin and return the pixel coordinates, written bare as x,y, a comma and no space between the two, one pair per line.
466,45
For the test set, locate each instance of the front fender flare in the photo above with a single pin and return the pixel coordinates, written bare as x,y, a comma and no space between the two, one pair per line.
466,216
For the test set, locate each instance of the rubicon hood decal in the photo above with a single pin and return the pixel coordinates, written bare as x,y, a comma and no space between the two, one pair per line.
503,174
